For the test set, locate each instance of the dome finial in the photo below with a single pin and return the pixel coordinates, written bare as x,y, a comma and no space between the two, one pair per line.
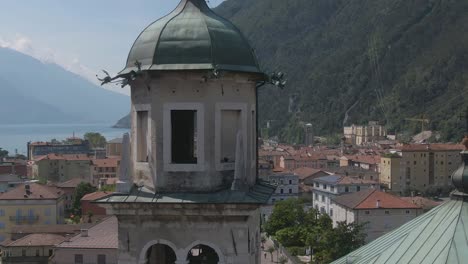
460,176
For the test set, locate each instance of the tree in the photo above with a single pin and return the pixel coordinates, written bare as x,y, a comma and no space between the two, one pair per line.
294,228
287,213
81,190
270,250
3,153
96,140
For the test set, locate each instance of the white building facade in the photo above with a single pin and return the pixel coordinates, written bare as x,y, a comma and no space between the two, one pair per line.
326,188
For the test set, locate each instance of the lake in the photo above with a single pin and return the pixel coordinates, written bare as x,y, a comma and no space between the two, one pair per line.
16,137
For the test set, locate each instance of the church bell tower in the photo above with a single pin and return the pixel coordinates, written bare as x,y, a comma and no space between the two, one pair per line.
189,191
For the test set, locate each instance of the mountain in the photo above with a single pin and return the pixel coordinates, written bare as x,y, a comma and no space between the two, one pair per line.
124,122
356,61
33,91
14,112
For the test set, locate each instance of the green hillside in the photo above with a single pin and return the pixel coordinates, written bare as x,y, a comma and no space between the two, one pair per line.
391,59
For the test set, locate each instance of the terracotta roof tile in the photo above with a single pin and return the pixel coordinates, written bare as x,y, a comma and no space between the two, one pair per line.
95,195
305,172
422,202
69,157
433,147
37,192
367,199
102,235
109,162
35,240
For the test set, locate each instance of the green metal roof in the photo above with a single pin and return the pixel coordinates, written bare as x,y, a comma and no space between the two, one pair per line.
258,194
438,236
192,37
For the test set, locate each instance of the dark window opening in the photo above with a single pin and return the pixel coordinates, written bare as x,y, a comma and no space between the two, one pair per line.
184,136
101,259
78,259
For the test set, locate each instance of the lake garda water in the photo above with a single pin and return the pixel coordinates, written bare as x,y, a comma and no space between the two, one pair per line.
16,137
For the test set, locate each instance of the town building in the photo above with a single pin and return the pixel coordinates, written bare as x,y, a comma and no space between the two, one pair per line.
189,192
88,206
8,182
287,186
425,203
64,230
97,244
73,145
16,167
356,172
380,212
103,169
326,188
364,135
68,189
306,175
31,249
419,166
310,160
365,162
60,168
114,147
30,204
438,236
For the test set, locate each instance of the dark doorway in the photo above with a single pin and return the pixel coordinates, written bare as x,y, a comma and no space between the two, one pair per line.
160,254
202,254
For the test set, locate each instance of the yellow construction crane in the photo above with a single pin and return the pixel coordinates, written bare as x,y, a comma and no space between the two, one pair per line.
423,121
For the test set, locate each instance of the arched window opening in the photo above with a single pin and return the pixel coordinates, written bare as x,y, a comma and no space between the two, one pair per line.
202,254
160,254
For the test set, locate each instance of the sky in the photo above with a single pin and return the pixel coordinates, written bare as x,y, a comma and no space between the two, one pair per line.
83,36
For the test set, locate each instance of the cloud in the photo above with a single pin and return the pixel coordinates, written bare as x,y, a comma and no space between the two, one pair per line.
25,45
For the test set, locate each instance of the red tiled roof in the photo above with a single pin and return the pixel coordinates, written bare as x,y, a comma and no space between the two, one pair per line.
369,198
95,195
305,172
69,157
422,202
37,192
109,162
36,240
368,159
102,235
433,147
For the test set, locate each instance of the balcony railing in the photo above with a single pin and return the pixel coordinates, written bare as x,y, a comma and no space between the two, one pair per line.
26,218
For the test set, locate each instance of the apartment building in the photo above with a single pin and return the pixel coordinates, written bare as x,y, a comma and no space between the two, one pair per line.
61,168
326,188
97,244
30,204
362,135
380,212
419,166
287,186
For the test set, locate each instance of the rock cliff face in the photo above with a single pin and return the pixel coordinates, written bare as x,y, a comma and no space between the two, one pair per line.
390,59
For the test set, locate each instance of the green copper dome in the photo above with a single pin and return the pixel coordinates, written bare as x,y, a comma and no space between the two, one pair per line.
192,37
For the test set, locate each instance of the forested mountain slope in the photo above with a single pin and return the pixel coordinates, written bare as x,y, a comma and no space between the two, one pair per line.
391,59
